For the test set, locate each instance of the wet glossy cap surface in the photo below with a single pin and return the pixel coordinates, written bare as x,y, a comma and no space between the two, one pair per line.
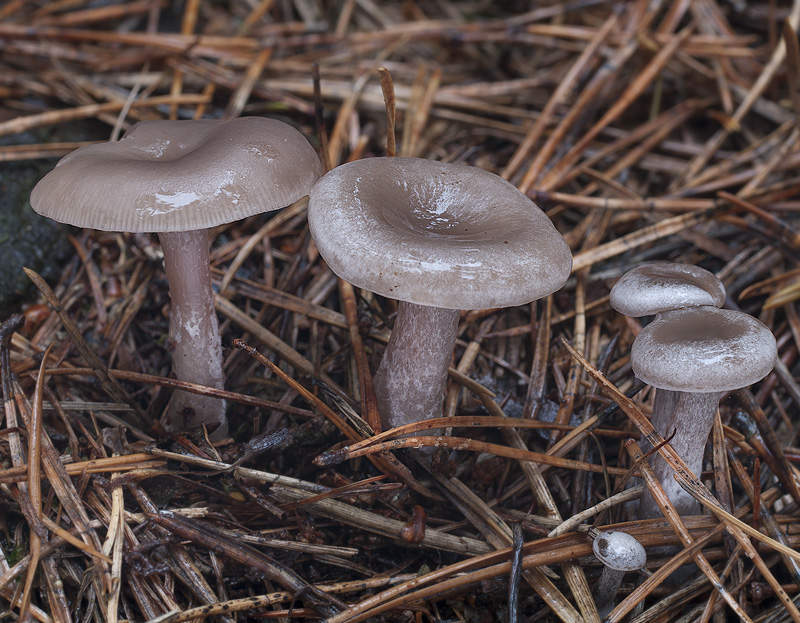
654,288
703,349
436,234
619,550
167,176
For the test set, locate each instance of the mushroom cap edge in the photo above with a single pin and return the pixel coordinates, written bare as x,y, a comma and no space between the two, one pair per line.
703,349
166,176
657,287
429,233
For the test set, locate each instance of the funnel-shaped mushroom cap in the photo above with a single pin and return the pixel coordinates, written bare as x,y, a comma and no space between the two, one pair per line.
167,176
654,288
703,349
619,550
436,234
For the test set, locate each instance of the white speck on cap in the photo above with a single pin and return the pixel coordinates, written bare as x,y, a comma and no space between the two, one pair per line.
436,234
661,286
164,176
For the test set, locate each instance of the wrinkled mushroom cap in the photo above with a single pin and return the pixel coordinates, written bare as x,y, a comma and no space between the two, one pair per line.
436,234
703,349
619,550
661,286
165,176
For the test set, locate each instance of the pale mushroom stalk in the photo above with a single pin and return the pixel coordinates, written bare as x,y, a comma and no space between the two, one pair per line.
193,330
411,379
437,237
691,418
691,356
663,408
606,590
178,179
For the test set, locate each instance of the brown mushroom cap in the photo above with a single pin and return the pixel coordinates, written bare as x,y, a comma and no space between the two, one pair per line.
661,286
703,349
167,176
436,234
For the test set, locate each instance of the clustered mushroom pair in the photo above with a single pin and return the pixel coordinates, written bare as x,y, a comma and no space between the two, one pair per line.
438,237
692,352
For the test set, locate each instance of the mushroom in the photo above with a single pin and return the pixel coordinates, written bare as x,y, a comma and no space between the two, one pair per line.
439,238
620,553
692,355
179,178
659,287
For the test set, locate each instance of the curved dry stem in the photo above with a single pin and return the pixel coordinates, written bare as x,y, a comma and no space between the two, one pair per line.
410,381
194,332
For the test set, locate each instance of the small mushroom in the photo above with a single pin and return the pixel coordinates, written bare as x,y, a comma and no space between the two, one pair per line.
620,553
179,178
439,238
660,287
692,355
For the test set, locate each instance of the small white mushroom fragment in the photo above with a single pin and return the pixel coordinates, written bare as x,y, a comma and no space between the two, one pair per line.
620,553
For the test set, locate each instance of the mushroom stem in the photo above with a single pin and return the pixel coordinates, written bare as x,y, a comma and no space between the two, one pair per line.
606,590
194,332
691,416
619,552
663,407
411,378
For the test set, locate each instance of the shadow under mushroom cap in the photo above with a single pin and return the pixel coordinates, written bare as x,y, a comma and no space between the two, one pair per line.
703,349
436,234
167,176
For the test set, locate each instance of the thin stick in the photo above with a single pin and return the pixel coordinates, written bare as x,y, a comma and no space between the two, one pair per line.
385,462
37,533
110,384
462,443
679,527
387,86
565,85
577,519
638,238
764,79
319,118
